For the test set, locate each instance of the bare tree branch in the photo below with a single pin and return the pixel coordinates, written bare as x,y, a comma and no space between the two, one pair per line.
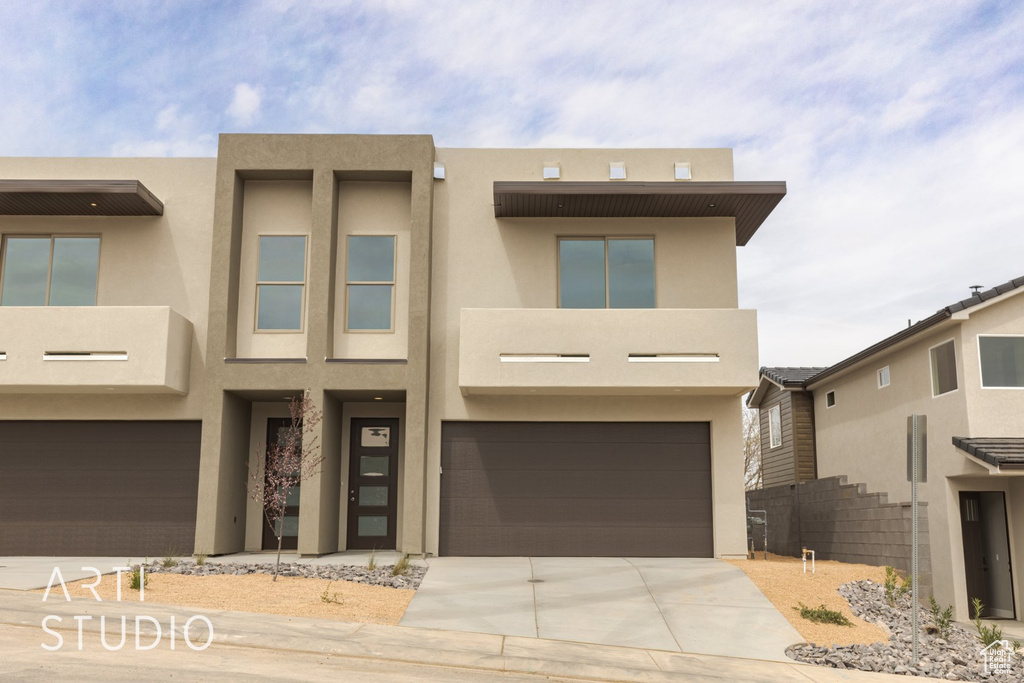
752,468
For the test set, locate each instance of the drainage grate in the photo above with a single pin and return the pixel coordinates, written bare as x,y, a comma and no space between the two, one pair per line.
535,581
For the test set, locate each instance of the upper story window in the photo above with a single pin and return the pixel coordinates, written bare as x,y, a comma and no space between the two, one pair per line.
883,377
50,271
1002,361
775,426
280,283
370,283
943,360
606,272
830,399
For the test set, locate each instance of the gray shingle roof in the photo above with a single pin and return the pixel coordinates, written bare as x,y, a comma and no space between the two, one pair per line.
1005,452
790,376
939,316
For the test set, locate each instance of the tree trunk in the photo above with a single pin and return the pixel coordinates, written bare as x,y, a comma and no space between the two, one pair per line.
277,565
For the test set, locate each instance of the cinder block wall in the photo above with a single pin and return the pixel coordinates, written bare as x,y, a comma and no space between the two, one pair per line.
843,522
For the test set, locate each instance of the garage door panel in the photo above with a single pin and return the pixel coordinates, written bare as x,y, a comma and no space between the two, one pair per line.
539,541
576,432
591,489
601,456
98,488
606,484
578,513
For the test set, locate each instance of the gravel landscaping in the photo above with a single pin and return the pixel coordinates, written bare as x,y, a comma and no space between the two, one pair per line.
381,576
955,659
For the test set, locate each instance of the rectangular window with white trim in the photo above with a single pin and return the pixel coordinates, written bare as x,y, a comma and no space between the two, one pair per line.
775,426
1002,362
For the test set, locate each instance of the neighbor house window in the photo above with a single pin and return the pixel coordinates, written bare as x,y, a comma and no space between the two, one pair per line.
1002,361
943,358
280,283
50,271
883,377
774,426
830,399
370,283
612,272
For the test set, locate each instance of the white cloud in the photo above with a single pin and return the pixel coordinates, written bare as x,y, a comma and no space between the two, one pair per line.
245,105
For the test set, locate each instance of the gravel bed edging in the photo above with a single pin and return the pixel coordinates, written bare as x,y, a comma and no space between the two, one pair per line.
958,659
381,576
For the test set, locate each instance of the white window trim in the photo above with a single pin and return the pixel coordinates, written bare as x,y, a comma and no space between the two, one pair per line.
833,394
888,378
775,409
393,283
981,376
931,370
304,284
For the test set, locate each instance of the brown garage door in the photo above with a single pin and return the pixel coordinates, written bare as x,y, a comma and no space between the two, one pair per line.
576,489
98,488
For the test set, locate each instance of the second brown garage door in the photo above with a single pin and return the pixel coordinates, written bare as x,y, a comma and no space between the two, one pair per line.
99,488
626,489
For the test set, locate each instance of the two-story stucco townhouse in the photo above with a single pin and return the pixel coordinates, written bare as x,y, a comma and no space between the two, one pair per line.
963,368
517,352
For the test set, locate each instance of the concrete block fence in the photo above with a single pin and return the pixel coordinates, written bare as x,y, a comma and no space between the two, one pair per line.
841,521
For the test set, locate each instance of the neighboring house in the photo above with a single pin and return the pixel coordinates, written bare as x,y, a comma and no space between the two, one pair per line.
963,368
518,352
786,421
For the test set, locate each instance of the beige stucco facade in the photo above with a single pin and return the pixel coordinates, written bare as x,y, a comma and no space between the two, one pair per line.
864,435
177,296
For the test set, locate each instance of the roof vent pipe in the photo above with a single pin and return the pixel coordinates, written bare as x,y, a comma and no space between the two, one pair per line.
975,289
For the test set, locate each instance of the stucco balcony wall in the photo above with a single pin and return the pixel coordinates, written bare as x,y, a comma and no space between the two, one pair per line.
702,351
145,350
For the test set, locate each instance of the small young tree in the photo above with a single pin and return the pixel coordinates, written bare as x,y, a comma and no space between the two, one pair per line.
294,457
751,449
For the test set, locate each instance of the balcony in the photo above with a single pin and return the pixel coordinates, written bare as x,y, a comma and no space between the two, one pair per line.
94,349
607,351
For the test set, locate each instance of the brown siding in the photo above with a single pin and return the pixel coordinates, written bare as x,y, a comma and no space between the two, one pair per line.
576,489
777,463
803,436
98,488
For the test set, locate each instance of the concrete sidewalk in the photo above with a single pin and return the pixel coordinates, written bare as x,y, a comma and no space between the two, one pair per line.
698,606
475,651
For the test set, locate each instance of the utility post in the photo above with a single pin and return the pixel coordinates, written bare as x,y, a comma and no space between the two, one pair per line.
917,471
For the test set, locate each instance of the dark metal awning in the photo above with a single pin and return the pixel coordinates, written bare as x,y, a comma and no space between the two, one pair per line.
748,202
77,198
1004,453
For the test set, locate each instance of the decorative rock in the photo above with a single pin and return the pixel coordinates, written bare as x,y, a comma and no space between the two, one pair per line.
381,576
957,658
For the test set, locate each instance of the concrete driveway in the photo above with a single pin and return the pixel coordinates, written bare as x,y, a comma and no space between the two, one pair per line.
699,606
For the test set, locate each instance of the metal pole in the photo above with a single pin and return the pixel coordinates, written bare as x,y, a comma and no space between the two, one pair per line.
915,612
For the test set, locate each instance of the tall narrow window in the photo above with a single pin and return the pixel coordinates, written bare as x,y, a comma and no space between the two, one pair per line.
883,377
370,283
943,359
280,283
50,271
614,272
1002,361
774,426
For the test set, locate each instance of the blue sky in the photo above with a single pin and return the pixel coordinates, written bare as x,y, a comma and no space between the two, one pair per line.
899,126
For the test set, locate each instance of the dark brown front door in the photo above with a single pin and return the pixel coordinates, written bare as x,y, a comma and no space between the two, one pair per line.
373,484
290,538
974,548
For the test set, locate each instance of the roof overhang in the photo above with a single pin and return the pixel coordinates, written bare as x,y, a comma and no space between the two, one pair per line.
997,455
77,198
749,203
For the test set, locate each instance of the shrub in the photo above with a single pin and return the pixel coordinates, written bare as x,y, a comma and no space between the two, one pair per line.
895,587
401,567
328,598
371,561
138,579
823,615
942,619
